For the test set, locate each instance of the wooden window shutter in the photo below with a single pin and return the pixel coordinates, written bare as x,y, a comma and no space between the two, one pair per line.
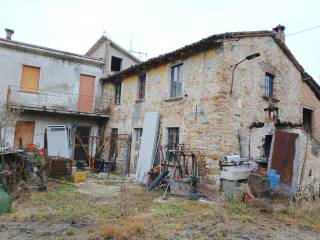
30,79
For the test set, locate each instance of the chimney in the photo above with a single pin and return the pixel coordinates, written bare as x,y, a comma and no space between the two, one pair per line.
279,30
9,33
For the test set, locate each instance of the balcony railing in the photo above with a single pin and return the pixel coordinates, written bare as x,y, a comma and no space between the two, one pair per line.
47,100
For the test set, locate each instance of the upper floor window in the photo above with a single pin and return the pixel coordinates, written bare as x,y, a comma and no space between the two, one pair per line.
141,86
116,64
268,85
176,81
30,79
117,97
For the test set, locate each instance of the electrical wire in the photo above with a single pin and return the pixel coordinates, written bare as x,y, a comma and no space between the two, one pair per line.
302,31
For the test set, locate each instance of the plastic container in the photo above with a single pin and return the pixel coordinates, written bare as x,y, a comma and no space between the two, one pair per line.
274,179
5,200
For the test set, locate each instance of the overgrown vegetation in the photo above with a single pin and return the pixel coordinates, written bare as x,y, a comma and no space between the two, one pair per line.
137,214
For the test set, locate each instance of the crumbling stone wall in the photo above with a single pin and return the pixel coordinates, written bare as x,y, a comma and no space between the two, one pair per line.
307,179
207,115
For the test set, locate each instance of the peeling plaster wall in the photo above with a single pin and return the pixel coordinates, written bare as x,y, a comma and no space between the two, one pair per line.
312,102
306,181
43,120
56,74
208,117
126,61
257,137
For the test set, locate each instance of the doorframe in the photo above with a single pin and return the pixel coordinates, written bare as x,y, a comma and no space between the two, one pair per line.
15,131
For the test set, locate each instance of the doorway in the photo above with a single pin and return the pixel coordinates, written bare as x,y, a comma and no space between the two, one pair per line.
81,146
23,133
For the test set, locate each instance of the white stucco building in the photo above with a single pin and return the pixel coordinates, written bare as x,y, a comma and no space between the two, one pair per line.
44,86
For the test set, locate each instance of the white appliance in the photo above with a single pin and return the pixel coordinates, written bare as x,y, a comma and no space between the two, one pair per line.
58,141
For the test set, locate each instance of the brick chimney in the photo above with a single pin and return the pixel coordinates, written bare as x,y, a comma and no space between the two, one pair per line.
279,30
9,33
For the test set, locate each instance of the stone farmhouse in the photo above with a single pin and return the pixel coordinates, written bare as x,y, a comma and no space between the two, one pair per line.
233,93
237,93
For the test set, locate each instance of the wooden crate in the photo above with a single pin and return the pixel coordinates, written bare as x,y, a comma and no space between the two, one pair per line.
80,177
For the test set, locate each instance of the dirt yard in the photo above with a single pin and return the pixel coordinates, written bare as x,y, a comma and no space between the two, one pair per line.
109,209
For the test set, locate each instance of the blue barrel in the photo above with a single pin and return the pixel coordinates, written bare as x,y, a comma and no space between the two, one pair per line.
274,179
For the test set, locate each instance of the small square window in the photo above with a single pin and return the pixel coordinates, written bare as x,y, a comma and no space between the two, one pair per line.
116,64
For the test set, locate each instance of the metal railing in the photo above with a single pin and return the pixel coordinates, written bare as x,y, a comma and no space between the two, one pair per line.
40,99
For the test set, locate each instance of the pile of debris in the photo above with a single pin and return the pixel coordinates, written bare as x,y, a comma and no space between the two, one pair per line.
179,170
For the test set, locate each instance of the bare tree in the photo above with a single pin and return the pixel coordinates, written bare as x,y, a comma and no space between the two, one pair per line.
7,120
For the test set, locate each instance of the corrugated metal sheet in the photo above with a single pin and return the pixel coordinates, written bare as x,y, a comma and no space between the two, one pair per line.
283,155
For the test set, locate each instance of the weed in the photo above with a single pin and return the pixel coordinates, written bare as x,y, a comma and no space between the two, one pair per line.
127,231
71,232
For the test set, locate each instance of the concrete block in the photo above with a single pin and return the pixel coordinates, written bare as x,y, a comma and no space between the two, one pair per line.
235,173
180,188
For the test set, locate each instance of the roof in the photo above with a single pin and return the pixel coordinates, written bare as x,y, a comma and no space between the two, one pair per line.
102,39
205,44
312,84
50,52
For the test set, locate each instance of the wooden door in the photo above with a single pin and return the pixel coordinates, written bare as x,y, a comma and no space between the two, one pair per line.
30,79
86,93
23,133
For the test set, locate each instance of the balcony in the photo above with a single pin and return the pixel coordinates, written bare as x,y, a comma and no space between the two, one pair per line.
58,102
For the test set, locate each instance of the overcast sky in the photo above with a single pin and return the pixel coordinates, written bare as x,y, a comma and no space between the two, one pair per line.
160,26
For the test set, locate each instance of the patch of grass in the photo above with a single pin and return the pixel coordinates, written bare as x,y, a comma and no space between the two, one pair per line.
238,209
71,232
171,210
304,213
181,208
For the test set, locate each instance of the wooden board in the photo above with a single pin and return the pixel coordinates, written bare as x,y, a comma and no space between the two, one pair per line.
23,133
148,145
30,79
86,93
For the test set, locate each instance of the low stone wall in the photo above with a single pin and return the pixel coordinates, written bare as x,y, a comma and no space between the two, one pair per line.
308,179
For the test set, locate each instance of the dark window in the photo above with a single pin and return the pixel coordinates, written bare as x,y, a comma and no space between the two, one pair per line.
176,81
141,86
117,97
115,64
267,145
173,138
307,119
268,85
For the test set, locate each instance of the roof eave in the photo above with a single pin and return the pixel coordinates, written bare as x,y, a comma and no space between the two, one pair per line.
312,84
50,52
204,44
115,45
